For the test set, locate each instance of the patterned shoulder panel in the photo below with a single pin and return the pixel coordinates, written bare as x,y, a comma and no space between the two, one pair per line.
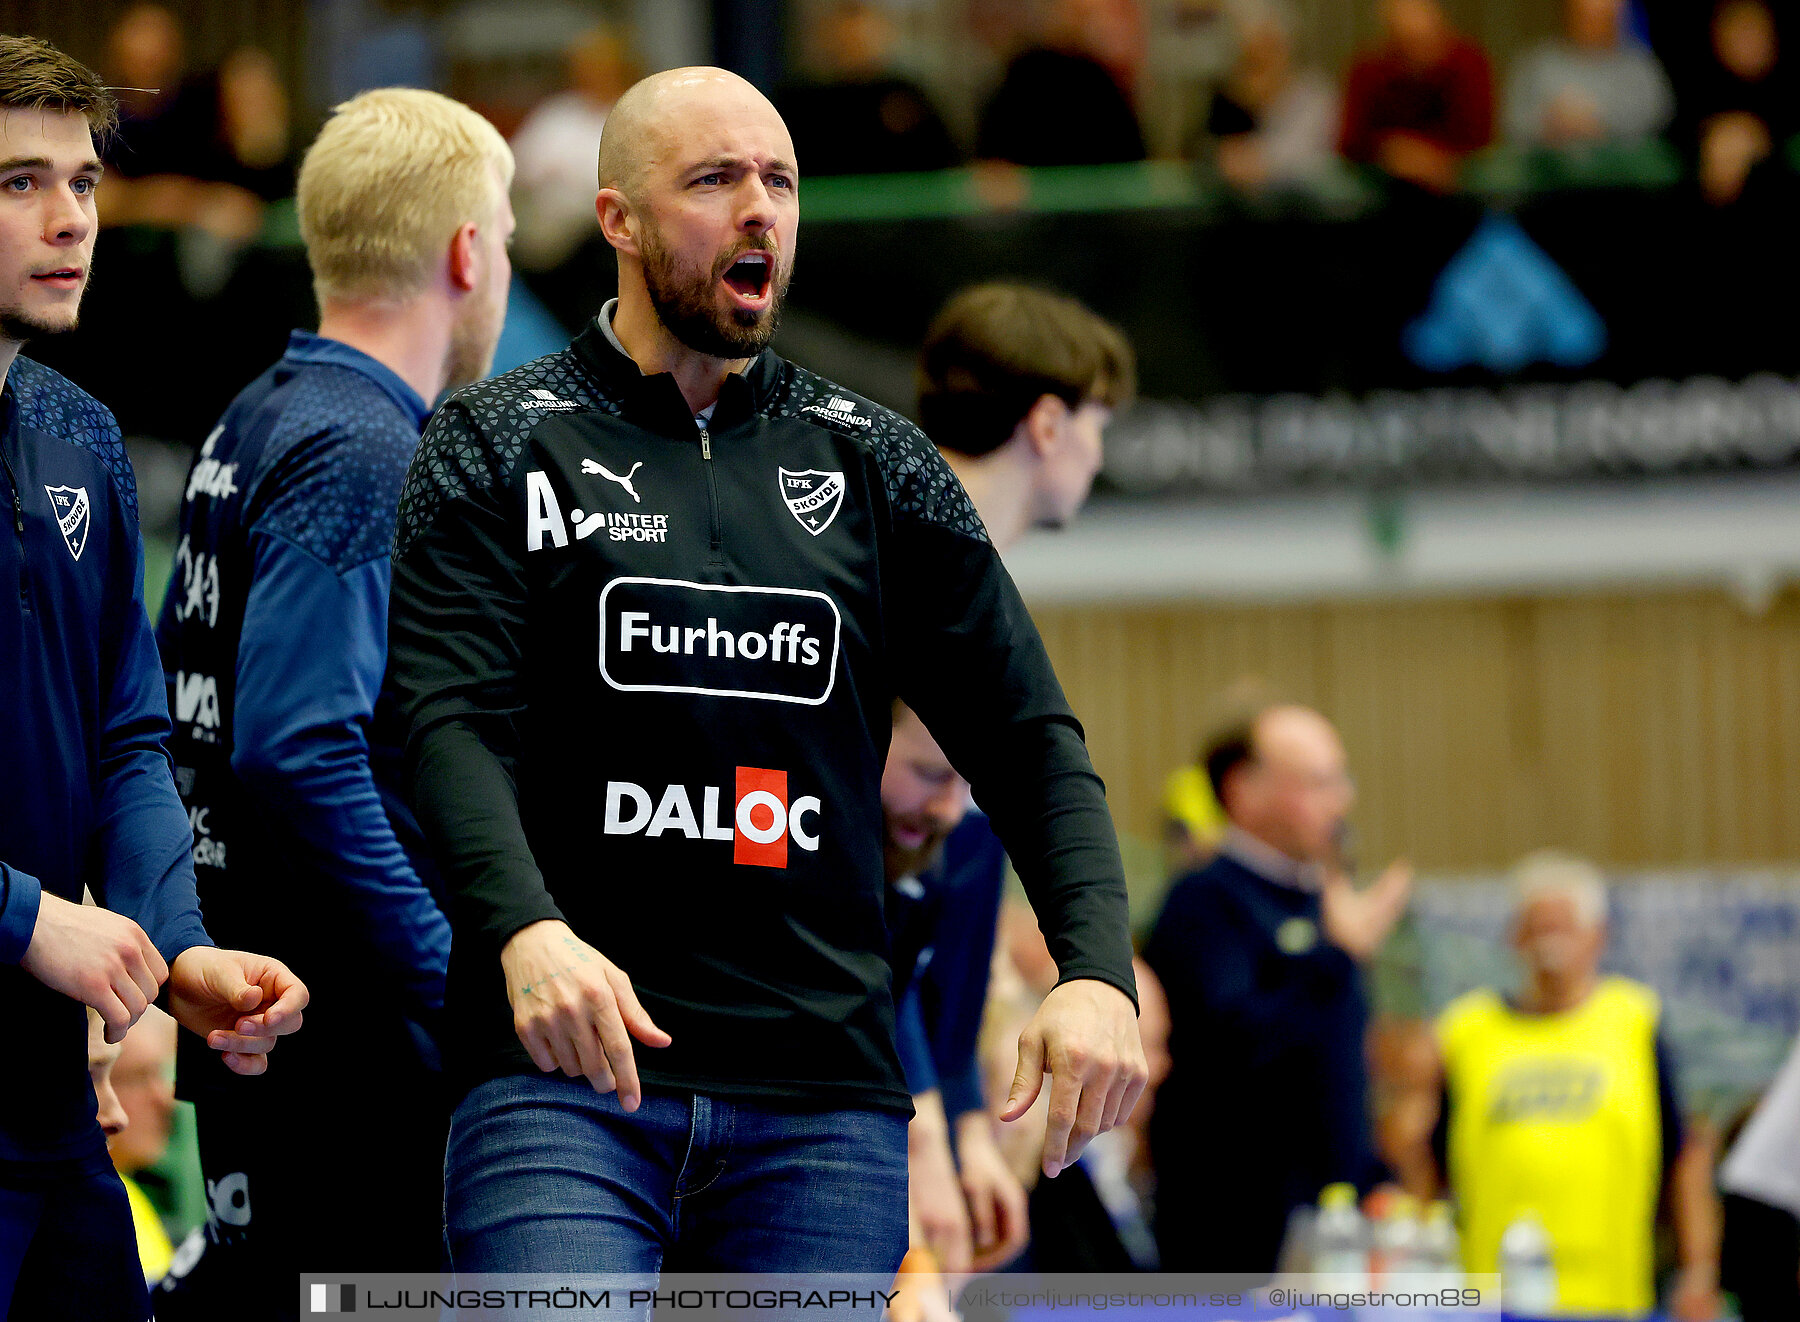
920,485
340,453
475,439
50,402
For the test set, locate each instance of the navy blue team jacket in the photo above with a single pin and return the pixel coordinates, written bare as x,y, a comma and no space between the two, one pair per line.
274,639
86,795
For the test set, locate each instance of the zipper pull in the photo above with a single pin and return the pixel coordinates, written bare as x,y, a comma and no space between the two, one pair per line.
705,448
18,513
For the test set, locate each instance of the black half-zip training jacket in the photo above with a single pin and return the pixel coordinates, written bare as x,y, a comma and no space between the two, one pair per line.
646,671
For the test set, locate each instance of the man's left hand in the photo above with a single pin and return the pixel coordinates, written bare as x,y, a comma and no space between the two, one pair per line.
239,1002
1085,1036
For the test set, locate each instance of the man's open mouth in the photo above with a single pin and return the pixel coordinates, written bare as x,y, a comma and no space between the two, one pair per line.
60,275
751,275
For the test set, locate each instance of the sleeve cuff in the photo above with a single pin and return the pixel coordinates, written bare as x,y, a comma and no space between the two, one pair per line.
182,939
1127,984
20,896
961,1089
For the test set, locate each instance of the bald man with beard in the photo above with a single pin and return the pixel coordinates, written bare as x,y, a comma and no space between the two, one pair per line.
654,599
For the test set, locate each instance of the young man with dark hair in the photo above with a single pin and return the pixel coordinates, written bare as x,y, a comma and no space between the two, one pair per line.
285,534
89,798
1016,385
654,598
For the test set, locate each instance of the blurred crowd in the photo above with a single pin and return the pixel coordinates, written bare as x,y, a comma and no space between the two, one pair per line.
1708,80
209,147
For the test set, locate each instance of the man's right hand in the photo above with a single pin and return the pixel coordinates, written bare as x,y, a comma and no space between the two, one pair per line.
574,1009
1357,922
98,957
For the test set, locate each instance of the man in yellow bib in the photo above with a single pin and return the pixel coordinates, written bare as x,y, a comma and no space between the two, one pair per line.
1560,1106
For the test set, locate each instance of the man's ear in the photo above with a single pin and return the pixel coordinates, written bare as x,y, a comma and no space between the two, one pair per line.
1044,423
465,259
617,222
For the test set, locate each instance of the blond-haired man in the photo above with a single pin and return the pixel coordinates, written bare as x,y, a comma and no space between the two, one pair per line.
273,637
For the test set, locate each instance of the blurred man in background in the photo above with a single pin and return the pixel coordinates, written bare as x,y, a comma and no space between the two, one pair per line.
1421,102
859,115
285,534
1065,99
922,800
143,1077
1594,85
1273,122
1016,387
1259,953
1560,1105
89,804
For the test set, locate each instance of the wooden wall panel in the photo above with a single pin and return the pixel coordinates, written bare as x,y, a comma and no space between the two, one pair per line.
1639,730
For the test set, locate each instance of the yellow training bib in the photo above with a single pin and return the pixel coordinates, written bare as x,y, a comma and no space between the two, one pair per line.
1557,1114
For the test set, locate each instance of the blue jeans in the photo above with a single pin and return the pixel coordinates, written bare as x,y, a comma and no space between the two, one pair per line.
67,1246
543,1174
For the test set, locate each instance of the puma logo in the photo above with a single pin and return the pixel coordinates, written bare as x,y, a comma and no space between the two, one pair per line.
601,470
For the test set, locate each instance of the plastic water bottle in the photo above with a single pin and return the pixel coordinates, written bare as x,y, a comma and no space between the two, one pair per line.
1440,1252
1394,1239
1527,1267
1340,1240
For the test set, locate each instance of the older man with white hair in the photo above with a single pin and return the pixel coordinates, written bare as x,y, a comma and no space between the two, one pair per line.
1560,1108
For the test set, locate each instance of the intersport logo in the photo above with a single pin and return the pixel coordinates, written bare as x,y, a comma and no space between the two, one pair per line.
762,820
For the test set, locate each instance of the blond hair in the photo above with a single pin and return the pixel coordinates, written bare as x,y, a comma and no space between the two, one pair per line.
391,177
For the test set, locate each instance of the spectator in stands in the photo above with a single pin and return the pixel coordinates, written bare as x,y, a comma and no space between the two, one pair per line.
143,1079
1560,1104
1743,103
1060,103
145,52
858,116
1760,1259
1591,85
556,146
204,151
1272,123
1421,102
1259,954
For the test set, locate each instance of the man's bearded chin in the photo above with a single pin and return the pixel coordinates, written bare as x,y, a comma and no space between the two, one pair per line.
18,326
684,302
900,861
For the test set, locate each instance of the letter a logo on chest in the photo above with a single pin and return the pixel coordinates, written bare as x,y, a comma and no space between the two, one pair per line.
812,497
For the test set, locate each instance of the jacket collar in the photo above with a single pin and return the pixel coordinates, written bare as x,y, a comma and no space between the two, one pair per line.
656,401
308,347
